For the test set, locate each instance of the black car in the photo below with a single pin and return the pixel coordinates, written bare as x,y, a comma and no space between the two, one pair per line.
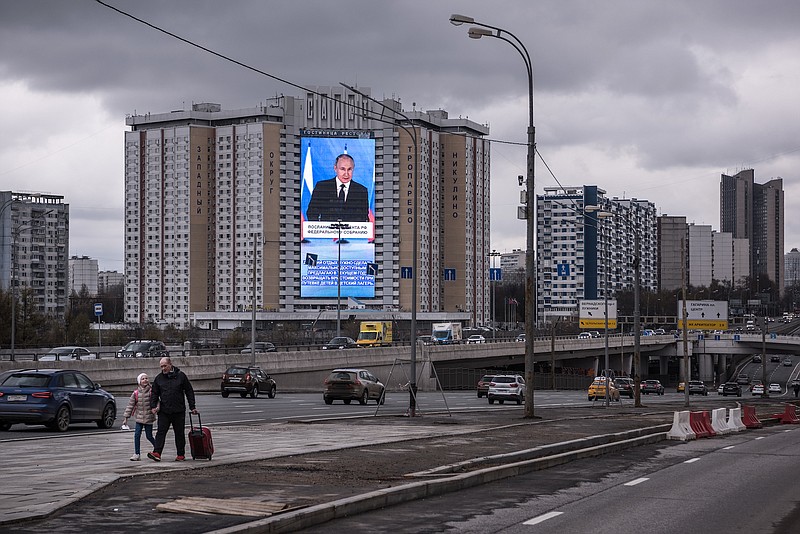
54,398
731,388
625,386
340,343
652,386
143,348
247,380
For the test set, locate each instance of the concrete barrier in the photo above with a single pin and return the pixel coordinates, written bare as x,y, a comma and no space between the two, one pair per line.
697,420
789,415
735,420
719,422
749,417
302,371
681,428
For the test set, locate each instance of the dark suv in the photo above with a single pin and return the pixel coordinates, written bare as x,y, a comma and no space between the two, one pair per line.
247,380
625,386
353,384
731,388
143,348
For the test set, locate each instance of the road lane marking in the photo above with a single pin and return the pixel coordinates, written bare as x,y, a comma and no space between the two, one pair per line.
760,437
542,518
253,411
691,461
728,447
636,481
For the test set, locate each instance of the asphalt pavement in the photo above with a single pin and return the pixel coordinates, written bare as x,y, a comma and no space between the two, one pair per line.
44,477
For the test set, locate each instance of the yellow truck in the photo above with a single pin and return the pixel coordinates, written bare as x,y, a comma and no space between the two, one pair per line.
375,334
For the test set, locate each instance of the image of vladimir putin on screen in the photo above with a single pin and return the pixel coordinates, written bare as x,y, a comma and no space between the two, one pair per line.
339,198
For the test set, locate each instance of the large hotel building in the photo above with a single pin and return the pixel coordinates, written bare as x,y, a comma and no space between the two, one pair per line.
216,212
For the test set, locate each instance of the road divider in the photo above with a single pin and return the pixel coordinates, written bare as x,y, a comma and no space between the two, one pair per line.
789,415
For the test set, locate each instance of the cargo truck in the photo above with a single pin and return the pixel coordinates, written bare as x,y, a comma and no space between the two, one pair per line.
375,334
445,333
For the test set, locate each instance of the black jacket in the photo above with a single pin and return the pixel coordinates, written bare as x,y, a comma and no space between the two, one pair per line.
169,390
325,205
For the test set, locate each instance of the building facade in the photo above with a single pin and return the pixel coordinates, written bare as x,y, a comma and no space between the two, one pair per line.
35,247
83,272
217,203
756,212
576,248
108,279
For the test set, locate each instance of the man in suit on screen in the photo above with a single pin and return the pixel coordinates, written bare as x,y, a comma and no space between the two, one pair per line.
339,198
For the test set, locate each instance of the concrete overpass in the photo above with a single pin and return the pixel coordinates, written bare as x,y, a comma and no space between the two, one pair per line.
305,370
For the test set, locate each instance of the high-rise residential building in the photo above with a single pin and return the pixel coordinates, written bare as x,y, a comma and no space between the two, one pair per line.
755,212
108,279
700,259
673,236
83,273
35,246
792,267
576,247
214,197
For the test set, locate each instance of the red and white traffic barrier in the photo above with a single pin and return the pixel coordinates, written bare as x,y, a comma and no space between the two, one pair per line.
749,417
681,427
789,415
735,420
719,422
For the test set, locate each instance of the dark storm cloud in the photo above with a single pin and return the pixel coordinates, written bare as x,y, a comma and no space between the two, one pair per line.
629,94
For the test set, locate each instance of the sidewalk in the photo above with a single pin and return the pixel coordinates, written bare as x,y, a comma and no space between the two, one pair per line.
42,475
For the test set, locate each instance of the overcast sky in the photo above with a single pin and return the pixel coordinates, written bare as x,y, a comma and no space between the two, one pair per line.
646,99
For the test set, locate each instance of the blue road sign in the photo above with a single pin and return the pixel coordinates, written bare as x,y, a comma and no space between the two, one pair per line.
449,274
406,272
98,309
495,274
562,269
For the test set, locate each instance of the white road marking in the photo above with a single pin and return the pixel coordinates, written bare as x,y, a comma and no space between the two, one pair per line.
725,448
542,518
760,437
636,481
691,461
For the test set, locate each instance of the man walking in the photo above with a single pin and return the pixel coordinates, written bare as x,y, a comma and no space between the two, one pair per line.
167,400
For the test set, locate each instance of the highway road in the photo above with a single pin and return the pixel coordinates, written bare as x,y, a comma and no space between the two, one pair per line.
745,482
216,411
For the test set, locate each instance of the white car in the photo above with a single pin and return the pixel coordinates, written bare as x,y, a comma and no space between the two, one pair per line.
62,354
476,338
775,388
506,387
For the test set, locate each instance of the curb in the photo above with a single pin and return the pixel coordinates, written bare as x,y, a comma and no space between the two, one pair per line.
321,513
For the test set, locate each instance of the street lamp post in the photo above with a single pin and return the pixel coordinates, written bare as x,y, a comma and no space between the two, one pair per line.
253,317
492,281
339,225
485,30
637,315
412,387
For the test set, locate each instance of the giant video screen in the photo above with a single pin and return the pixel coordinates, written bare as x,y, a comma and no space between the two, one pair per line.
338,189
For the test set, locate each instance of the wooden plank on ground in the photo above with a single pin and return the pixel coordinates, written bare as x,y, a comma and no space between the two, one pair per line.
208,506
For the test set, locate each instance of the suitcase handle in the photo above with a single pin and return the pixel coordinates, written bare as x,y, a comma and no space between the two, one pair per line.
199,421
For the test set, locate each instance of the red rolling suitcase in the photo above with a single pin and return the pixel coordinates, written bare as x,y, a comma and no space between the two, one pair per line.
200,441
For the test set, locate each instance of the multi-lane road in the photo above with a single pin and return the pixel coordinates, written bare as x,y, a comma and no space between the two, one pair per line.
234,410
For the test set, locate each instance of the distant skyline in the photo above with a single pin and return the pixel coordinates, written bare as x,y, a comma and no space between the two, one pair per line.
655,111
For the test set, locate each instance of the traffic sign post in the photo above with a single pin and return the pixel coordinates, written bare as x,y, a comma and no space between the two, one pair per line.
592,314
704,315
98,311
